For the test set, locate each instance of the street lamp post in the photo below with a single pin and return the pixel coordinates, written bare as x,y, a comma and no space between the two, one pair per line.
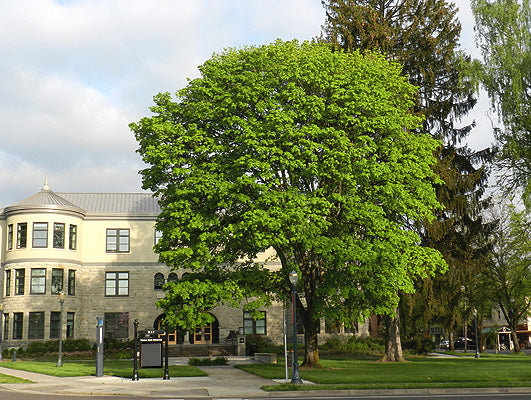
295,375
476,328
62,296
1,330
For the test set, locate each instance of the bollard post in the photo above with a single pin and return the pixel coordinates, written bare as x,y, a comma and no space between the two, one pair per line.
99,344
15,355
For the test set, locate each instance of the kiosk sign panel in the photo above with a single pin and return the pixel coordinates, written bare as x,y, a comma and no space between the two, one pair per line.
150,353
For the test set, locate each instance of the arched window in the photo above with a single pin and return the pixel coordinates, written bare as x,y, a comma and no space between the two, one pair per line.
158,281
172,277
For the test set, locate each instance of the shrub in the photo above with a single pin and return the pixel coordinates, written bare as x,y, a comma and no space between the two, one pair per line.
76,345
418,345
262,344
208,361
110,343
354,345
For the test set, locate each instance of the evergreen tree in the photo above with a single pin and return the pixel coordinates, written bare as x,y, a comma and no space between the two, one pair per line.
423,36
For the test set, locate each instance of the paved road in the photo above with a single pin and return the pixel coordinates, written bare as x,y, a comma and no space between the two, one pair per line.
7,395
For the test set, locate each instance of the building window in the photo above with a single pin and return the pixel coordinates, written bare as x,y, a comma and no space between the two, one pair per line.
72,237
8,282
158,235
331,326
6,326
117,284
38,281
252,326
55,321
40,234
158,281
36,325
22,235
58,235
116,325
18,324
57,281
20,280
71,282
70,325
172,277
117,240
10,236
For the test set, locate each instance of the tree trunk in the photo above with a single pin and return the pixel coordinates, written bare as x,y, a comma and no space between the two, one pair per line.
451,336
393,346
311,355
514,337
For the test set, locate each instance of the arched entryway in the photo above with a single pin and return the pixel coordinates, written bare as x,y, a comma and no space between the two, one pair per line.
208,334
174,337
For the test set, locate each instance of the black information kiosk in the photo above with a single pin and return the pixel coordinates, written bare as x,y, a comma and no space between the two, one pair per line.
148,350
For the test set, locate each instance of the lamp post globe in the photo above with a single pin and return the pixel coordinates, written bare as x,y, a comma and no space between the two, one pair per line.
295,374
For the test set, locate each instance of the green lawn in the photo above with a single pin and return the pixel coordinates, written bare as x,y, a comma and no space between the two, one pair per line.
12,379
122,368
348,373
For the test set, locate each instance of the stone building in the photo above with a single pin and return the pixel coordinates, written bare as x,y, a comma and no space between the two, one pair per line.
96,248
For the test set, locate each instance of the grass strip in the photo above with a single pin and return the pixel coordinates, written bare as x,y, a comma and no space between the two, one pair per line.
12,379
121,368
420,372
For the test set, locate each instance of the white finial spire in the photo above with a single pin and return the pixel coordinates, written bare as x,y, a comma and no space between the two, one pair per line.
46,187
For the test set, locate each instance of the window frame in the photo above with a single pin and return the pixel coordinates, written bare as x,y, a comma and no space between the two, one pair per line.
36,326
119,322
55,324
5,332
39,242
20,281
7,285
251,327
116,280
55,277
157,285
59,234
158,236
10,237
70,324
71,282
22,235
118,234
35,281
18,326
72,237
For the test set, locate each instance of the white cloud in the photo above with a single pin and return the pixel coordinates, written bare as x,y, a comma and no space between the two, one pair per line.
75,73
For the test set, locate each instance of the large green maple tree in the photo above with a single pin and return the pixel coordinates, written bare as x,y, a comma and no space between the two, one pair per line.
297,148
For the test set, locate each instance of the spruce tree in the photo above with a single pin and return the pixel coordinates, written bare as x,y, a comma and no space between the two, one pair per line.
423,35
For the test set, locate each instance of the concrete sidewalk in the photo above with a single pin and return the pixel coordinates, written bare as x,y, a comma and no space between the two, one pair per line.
222,381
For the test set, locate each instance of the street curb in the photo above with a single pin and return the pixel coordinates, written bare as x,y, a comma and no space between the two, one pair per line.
438,391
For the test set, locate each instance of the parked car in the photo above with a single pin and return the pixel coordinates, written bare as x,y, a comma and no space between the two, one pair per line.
460,343
445,344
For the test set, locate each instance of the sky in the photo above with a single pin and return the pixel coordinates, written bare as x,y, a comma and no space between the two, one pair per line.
75,73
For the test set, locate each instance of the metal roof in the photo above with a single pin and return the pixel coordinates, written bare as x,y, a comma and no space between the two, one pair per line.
45,199
114,203
89,203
